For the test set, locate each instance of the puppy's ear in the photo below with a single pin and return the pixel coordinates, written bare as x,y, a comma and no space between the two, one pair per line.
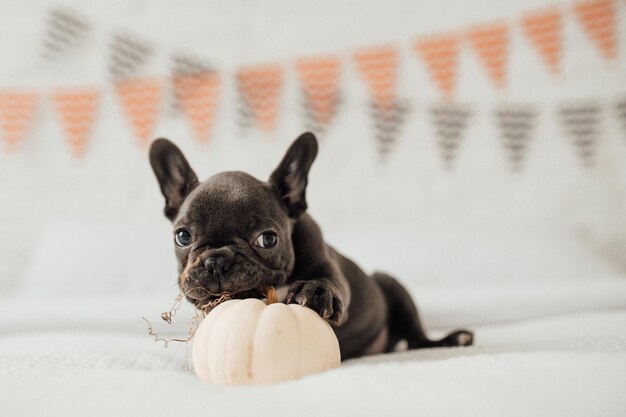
175,176
291,176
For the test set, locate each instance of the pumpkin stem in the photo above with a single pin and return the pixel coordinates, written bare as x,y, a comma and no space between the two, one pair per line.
271,295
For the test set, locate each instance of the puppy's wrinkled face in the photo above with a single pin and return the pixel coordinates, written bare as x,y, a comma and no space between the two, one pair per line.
233,232
232,235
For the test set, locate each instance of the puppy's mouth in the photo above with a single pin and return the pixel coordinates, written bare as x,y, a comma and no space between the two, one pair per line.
201,296
243,281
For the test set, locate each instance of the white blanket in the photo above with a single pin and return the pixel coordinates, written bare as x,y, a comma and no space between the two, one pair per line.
570,364
87,373
549,319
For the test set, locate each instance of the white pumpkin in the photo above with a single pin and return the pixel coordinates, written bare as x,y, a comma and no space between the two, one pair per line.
250,342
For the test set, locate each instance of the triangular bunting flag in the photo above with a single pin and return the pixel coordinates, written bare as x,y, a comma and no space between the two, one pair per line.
581,123
450,121
544,30
185,64
189,65
620,107
491,44
245,118
379,67
64,29
260,87
198,95
387,124
598,19
76,109
319,82
516,123
141,101
441,56
128,55
17,109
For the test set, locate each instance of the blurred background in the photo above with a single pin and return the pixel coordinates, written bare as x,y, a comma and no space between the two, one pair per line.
475,149
463,145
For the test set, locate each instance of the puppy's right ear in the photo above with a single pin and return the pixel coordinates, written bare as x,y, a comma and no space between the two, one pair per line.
175,176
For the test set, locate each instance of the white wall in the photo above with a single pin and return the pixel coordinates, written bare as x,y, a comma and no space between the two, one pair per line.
350,191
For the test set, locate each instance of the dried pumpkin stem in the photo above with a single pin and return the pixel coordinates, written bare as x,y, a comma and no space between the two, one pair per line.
272,296
157,338
167,316
201,312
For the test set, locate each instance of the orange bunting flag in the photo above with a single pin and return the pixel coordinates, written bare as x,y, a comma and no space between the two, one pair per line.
440,53
260,88
319,81
16,112
544,30
491,43
141,102
598,19
379,66
76,109
198,94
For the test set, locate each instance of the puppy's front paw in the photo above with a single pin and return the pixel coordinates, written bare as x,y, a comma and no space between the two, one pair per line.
319,297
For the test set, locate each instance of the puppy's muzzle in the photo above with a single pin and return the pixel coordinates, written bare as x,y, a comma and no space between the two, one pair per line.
217,264
210,271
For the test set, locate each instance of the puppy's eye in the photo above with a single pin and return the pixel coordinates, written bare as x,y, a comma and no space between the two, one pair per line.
266,240
182,237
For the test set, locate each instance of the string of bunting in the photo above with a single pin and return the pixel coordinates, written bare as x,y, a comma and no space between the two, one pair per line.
194,85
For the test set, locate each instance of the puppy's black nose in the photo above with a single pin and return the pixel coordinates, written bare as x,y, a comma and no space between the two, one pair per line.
217,265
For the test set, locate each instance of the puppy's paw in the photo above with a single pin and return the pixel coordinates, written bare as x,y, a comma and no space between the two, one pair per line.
319,297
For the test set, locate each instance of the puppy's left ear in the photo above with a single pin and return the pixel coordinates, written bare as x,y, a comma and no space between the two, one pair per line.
291,176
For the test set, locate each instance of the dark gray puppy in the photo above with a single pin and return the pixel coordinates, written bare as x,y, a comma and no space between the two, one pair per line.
237,235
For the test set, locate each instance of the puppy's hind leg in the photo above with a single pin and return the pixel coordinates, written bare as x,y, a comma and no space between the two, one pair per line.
403,320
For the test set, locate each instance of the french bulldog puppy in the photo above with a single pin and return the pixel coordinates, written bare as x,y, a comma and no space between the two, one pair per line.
238,235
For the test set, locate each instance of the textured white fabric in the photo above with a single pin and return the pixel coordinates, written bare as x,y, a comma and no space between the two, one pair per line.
546,342
571,365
